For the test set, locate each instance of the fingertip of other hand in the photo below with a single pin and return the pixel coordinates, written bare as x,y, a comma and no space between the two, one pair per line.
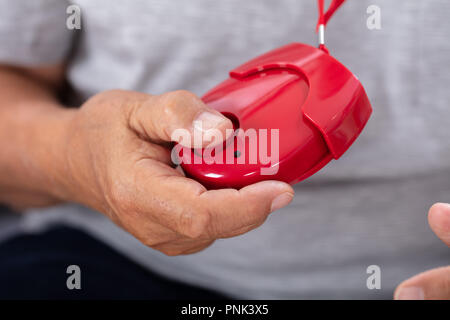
439,217
409,293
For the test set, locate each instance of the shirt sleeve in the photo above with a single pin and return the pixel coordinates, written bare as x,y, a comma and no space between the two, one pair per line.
34,32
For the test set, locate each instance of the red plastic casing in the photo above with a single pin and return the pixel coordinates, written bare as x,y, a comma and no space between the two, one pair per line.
318,105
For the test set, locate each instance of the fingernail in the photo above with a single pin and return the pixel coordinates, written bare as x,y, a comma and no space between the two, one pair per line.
281,201
410,293
207,120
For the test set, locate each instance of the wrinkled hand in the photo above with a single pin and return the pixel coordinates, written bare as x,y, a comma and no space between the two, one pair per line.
433,284
118,162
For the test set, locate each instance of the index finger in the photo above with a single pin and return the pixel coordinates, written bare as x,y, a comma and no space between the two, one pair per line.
186,207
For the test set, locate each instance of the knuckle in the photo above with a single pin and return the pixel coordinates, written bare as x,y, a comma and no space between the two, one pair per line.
121,198
114,92
150,242
172,253
109,96
183,95
174,99
153,237
194,224
106,101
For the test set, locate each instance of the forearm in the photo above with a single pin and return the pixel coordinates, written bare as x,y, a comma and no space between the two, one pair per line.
32,133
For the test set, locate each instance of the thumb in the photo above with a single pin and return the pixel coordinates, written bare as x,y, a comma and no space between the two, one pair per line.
439,220
431,285
180,116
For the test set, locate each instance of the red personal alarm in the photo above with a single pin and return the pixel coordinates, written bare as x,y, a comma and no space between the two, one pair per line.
302,104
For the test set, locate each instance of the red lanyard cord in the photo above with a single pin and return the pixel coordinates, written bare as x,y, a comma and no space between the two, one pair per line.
324,17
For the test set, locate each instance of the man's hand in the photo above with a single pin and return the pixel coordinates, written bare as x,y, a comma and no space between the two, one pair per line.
117,161
433,284
113,155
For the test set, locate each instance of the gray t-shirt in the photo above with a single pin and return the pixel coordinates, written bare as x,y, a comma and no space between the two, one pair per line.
368,208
